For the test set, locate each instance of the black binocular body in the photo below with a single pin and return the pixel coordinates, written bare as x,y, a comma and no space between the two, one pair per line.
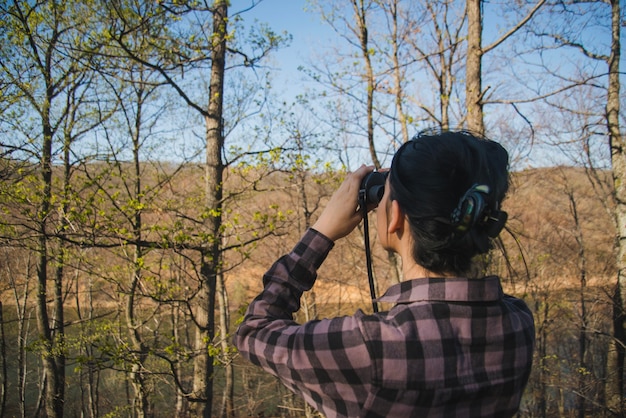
372,188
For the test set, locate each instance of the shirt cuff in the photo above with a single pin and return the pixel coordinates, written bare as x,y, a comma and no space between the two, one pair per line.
308,255
313,248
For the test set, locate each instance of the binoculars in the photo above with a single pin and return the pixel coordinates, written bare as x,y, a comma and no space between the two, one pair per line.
372,188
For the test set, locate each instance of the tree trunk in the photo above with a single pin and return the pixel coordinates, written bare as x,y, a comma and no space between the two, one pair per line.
228,403
445,54
3,355
140,396
614,388
582,332
54,380
181,401
360,13
398,74
214,170
92,374
543,307
21,305
141,404
392,257
473,68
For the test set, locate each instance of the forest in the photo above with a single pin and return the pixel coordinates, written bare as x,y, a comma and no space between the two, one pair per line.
154,162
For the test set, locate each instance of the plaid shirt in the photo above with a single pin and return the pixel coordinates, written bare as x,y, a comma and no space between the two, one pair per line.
449,347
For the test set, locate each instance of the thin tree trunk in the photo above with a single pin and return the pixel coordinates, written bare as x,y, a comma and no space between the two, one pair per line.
181,404
614,387
93,375
397,73
228,404
141,403
473,68
394,260
445,54
21,303
214,172
582,334
54,380
3,355
22,332
137,378
543,355
360,13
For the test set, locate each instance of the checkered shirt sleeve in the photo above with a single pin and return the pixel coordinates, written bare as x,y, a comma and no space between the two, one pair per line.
326,357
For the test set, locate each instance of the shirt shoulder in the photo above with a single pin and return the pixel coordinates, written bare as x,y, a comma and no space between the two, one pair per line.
437,345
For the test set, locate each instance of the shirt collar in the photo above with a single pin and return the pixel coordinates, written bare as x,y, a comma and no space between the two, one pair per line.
485,289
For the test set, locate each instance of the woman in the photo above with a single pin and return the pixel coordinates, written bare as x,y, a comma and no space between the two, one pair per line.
453,344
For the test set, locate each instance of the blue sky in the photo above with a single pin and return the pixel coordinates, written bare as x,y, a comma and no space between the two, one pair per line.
313,39
309,33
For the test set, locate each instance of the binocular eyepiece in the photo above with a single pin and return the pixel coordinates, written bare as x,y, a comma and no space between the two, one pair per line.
372,188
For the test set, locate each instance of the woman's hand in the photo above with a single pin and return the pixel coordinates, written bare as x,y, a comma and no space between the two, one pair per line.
342,213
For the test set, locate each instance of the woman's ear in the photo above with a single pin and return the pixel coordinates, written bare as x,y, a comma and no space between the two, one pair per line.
396,218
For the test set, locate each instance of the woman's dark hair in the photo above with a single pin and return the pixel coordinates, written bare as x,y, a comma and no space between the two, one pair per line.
450,186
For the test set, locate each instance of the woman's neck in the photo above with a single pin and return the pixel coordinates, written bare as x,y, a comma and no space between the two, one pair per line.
412,270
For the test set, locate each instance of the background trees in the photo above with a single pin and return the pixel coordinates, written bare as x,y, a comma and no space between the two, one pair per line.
150,170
